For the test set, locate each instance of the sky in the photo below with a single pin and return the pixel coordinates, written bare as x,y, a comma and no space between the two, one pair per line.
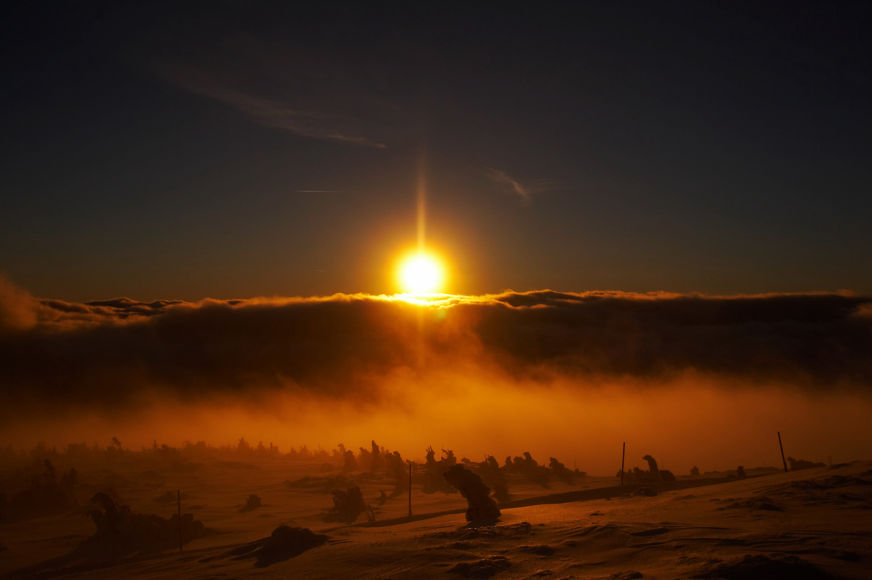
653,216
235,149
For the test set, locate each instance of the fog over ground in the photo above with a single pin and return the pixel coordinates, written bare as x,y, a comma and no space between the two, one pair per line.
692,379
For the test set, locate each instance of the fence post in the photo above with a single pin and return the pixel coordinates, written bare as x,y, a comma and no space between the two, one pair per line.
781,446
179,502
623,455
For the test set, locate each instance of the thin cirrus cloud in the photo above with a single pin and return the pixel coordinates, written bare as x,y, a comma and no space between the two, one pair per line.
512,186
280,114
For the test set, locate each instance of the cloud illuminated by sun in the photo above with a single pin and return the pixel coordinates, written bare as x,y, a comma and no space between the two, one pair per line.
421,273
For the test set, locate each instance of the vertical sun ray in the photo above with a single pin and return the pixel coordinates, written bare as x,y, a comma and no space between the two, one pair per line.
422,200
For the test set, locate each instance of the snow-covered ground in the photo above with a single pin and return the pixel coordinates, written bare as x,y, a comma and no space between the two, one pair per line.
814,523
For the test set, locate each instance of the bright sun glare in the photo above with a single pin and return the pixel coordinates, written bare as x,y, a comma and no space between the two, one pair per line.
420,274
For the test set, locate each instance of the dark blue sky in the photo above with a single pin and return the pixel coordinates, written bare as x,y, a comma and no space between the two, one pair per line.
249,148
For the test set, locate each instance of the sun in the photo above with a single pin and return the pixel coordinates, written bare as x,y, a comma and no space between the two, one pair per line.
421,273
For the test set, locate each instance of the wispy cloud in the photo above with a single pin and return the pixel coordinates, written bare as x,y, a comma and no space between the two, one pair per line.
280,114
512,186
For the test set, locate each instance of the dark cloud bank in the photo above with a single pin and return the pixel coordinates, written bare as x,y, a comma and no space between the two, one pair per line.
105,354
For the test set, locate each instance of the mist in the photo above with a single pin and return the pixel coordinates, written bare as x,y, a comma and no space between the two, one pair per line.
691,379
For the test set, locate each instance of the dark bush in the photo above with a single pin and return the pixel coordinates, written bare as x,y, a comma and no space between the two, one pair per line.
347,506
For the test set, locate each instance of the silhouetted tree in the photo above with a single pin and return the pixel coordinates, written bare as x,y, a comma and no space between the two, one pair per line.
120,531
43,495
349,462
347,505
493,477
375,457
561,472
529,468
433,470
396,469
481,508
364,459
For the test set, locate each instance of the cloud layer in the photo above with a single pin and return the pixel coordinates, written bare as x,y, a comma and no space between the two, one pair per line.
106,354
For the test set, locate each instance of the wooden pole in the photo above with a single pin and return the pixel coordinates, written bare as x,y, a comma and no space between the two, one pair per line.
179,501
781,446
410,489
623,455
